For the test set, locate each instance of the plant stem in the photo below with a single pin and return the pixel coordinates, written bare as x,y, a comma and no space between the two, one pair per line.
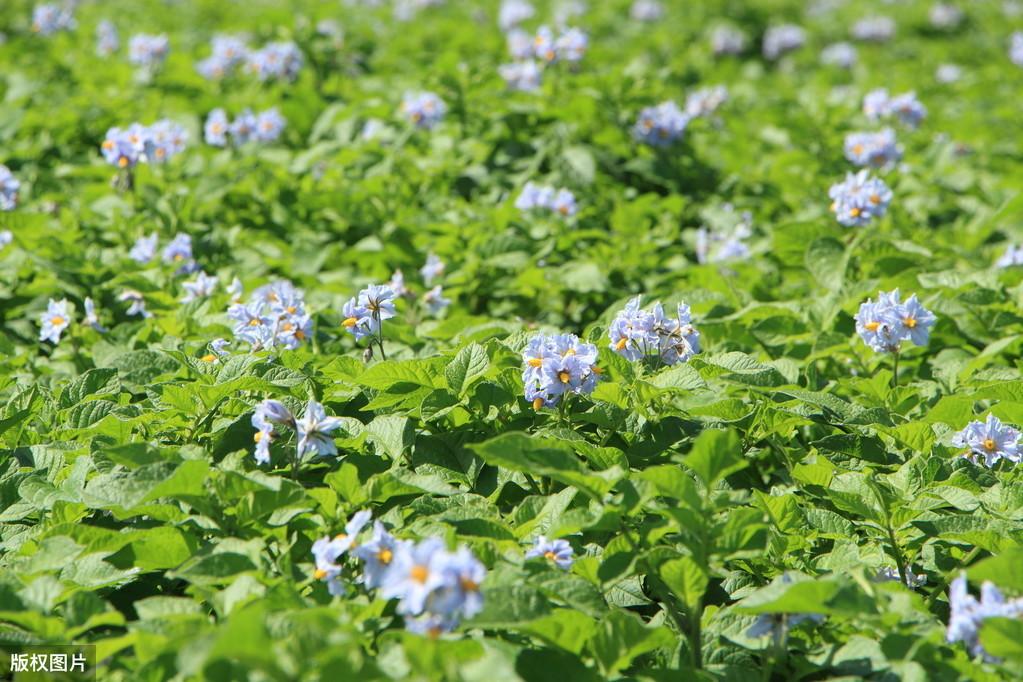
695,635
895,370
900,561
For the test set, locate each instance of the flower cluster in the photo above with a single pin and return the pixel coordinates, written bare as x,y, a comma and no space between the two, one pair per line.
715,246
781,39
1016,48
274,316
148,51
435,588
727,40
885,324
433,299
1013,256
877,150
57,318
514,12
265,126
967,613
313,430
124,148
859,199
229,52
705,101
276,61
202,286
553,366
107,39
49,19
842,55
636,334
891,574
178,252
569,46
559,552
365,313
647,10
874,29
661,125
943,15
906,107
136,303
423,109
546,197
9,186
525,76
990,439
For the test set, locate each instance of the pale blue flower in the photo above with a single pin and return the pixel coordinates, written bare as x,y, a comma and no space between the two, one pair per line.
378,554
54,321
202,286
571,45
876,150
423,109
553,366
513,13
877,29
1016,48
49,19
91,319
243,128
876,104
137,303
559,552
216,128
433,269
435,301
269,125
179,252
908,109
524,76
416,571
705,101
107,39
314,430
728,40
859,199
647,10
842,55
943,15
328,551
520,44
661,125
276,61
781,39
990,439
148,51
9,186
6,238
967,613
884,325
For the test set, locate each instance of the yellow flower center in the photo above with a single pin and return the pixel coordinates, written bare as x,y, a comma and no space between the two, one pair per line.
564,376
123,162
57,320
857,149
300,335
622,343
419,574
875,199
319,574
535,362
350,322
872,326
291,309
254,323
549,555
209,357
537,403
384,556
855,212
909,322
989,444
469,585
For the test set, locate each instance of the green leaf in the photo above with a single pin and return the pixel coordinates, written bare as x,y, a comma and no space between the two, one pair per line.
686,579
470,364
715,455
621,638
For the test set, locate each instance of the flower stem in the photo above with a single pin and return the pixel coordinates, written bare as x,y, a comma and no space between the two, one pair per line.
895,370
